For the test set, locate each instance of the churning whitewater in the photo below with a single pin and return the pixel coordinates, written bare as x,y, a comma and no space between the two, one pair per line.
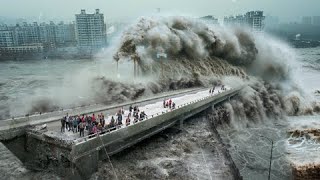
201,54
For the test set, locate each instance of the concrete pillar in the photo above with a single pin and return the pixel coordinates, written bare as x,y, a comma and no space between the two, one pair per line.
181,124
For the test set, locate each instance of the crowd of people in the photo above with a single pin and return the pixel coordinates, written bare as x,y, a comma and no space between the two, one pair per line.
169,104
223,88
94,124
78,123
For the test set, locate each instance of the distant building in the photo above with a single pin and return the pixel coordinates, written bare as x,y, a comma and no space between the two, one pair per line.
65,33
6,37
253,19
26,34
316,20
90,30
307,20
210,19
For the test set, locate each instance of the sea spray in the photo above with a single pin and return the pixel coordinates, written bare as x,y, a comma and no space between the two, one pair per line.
197,54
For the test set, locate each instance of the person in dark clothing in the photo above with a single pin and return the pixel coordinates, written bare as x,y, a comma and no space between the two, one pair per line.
119,123
173,105
69,126
63,124
103,121
128,121
130,108
164,103
112,123
135,120
74,124
142,115
78,121
67,122
86,119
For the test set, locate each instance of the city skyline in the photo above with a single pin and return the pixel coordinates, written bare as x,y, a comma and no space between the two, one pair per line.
41,11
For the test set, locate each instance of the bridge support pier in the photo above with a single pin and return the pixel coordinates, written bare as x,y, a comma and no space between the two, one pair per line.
88,164
181,124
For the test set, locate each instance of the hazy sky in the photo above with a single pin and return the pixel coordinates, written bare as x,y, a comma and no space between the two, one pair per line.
119,9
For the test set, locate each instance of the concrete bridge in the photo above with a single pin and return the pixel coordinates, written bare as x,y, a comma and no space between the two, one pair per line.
82,154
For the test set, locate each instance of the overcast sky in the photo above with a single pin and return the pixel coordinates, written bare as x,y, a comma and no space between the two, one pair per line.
44,10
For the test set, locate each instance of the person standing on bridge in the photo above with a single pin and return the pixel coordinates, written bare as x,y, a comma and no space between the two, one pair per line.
112,123
164,103
82,126
130,108
128,121
75,124
67,121
173,105
63,124
70,123
119,123
78,121
93,119
122,111
86,121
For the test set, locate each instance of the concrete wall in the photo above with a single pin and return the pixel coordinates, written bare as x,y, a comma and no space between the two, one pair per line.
48,154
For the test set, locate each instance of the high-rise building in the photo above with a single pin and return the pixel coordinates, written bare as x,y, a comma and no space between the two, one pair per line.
90,30
50,35
26,34
64,33
316,20
57,34
6,37
253,19
307,20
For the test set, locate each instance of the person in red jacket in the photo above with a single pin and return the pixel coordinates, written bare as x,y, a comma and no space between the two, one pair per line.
93,119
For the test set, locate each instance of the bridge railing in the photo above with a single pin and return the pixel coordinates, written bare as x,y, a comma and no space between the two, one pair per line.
113,129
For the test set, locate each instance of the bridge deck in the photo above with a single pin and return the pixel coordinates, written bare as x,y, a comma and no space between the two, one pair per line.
12,128
153,108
